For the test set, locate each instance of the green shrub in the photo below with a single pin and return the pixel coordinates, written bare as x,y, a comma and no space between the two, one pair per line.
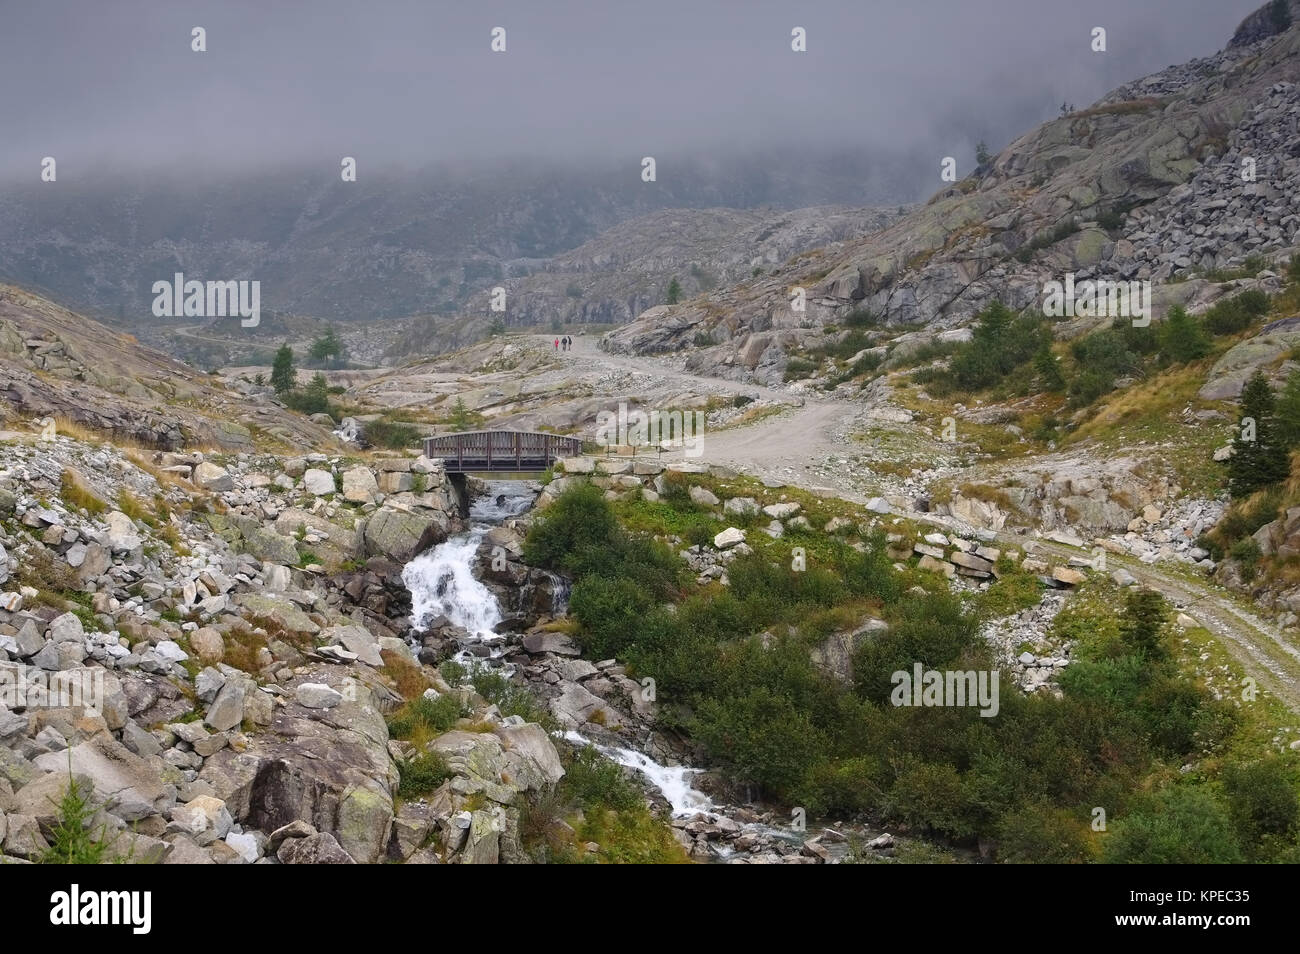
394,435
1262,801
1247,553
1181,825
861,318
432,715
453,672
510,698
760,737
1039,833
1000,342
580,517
1231,315
422,774
929,796
933,629
595,782
797,368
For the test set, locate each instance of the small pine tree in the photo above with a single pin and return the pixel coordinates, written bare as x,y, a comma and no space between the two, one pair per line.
1144,617
461,419
674,292
283,376
328,347
1259,458
1182,338
1048,369
71,841
982,155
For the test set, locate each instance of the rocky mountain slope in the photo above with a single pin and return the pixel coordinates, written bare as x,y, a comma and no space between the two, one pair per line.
392,244
1091,193
58,364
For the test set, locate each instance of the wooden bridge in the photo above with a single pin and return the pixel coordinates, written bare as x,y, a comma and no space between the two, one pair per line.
496,451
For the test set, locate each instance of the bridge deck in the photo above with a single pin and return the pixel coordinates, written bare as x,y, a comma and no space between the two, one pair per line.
471,451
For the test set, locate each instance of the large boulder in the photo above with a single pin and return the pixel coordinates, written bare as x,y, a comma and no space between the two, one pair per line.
131,786
318,482
1231,372
321,848
213,477
402,534
359,485
279,610
122,535
531,754
328,767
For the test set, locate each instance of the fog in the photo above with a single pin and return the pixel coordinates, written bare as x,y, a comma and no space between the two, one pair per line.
106,86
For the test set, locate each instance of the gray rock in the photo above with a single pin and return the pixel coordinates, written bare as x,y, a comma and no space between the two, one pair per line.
319,483
29,639
66,628
321,848
729,538
213,477
315,695
128,783
703,497
227,709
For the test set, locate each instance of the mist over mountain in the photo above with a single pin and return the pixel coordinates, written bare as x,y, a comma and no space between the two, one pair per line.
394,243
473,164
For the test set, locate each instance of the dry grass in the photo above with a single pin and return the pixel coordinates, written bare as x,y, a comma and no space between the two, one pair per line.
242,647
76,494
44,571
984,492
408,678
139,456
131,505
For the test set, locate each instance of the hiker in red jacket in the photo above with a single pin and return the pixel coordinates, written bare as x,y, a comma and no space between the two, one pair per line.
557,344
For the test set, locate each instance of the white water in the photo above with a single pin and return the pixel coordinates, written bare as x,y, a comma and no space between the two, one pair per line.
442,581
674,782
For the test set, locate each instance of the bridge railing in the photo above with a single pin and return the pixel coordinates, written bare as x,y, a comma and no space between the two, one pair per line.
500,450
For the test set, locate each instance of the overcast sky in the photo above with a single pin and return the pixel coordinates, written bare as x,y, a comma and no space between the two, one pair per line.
101,83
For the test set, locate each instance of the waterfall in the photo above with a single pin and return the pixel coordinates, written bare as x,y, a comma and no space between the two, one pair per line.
673,781
442,581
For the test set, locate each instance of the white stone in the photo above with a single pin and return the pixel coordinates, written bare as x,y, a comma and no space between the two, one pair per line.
729,538
317,695
318,482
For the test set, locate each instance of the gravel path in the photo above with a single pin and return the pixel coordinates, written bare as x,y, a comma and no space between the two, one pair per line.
790,446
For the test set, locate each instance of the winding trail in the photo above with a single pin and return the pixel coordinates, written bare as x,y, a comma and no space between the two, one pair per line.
782,447
778,447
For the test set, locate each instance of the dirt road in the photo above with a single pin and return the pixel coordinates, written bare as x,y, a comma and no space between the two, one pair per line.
779,447
786,446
